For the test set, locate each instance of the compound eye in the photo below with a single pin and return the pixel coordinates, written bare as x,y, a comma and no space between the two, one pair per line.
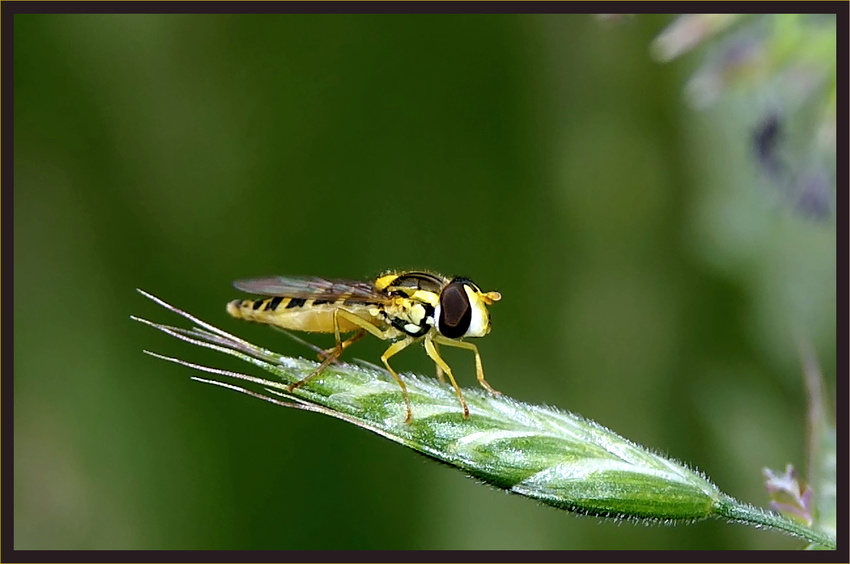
455,311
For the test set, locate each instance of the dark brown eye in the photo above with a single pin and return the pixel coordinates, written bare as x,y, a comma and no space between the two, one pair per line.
455,311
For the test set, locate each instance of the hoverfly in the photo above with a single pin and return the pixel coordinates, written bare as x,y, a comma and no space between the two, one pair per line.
403,307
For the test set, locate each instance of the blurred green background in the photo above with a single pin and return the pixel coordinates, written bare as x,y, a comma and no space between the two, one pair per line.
651,278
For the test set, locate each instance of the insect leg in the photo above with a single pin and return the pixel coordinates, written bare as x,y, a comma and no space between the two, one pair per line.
439,370
363,324
479,370
325,353
384,335
393,349
353,339
435,356
330,355
327,362
341,346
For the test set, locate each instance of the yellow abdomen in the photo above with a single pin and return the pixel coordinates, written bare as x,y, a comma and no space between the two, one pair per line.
295,314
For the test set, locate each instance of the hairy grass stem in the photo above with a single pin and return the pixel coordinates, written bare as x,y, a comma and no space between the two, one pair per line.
556,457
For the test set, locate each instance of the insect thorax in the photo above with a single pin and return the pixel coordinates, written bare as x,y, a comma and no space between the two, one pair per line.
412,316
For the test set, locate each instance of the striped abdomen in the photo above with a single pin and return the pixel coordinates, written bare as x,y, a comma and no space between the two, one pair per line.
298,314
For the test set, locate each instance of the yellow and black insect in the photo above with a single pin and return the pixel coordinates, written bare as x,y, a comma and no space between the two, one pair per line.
404,307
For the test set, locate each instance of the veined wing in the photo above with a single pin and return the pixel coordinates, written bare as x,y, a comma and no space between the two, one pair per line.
308,288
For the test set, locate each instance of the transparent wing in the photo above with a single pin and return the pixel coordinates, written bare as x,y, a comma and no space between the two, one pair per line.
312,288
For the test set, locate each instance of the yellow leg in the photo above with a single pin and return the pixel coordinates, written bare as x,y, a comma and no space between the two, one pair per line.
396,347
435,356
439,370
330,355
479,370
323,355
392,350
363,324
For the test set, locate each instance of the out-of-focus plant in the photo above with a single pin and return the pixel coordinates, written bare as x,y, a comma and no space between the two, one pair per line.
812,502
786,64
